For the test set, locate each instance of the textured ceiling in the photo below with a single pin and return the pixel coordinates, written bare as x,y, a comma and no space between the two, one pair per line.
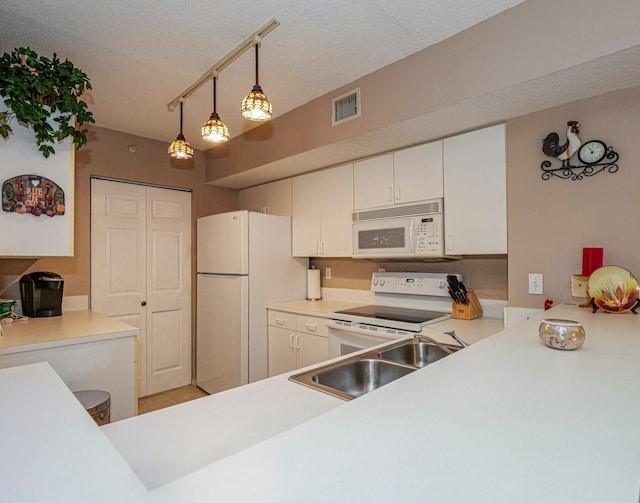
141,54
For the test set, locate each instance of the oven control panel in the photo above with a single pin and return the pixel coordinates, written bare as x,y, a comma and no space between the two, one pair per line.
413,283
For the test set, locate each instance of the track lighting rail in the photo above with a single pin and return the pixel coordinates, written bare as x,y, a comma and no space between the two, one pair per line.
248,43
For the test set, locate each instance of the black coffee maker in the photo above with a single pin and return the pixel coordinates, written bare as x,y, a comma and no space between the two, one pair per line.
41,294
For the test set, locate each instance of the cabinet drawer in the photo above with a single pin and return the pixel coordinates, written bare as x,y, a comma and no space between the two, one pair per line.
312,325
282,319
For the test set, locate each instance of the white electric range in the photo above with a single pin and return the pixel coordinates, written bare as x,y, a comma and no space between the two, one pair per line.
404,303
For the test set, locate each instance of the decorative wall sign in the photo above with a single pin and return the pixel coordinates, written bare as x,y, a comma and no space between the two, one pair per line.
32,194
594,155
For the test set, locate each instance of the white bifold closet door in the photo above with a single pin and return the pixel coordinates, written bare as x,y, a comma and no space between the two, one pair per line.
141,274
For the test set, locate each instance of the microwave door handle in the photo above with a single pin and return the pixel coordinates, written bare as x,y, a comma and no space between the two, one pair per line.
412,231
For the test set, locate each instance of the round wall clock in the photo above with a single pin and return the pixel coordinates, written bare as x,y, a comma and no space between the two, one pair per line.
592,152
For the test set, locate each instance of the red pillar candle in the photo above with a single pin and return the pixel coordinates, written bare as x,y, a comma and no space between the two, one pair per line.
591,260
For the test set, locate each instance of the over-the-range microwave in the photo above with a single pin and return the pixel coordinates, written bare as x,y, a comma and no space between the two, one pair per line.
399,231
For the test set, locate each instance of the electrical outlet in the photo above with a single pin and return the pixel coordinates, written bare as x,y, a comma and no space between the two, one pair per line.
535,284
579,285
327,273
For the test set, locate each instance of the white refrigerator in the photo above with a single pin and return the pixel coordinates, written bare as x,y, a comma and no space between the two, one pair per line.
244,262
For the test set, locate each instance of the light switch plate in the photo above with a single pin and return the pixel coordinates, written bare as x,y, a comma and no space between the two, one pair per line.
535,284
327,273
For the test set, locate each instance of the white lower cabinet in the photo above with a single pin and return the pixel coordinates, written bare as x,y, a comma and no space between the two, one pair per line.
103,365
296,341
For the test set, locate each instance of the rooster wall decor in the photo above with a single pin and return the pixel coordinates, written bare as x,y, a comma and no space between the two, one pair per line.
594,155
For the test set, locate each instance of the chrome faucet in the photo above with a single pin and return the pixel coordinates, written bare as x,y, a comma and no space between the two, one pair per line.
424,338
457,339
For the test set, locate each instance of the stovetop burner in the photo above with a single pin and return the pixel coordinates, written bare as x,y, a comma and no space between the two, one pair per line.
418,316
396,318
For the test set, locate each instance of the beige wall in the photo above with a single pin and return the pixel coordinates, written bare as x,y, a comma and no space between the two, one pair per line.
107,154
487,275
534,40
549,222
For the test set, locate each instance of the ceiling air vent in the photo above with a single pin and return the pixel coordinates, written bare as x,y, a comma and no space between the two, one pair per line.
346,107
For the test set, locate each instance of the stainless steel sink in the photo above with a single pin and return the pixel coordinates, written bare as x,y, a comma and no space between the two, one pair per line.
418,354
360,374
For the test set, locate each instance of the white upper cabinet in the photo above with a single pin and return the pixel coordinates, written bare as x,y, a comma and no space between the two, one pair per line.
252,199
405,176
373,182
322,203
273,198
475,192
25,177
418,173
306,201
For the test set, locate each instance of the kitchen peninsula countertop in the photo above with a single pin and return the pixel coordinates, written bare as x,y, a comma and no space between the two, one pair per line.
504,420
72,327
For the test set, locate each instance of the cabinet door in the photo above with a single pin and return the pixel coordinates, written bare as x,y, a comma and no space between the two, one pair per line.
282,351
373,182
311,349
418,173
278,198
314,325
252,199
337,205
306,211
475,192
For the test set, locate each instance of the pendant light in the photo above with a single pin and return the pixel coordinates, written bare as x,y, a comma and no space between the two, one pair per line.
214,130
180,149
256,106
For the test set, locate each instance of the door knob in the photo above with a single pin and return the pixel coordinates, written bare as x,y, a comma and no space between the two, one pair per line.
143,303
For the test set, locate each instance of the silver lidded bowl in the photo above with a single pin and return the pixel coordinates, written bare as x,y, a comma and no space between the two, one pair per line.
561,334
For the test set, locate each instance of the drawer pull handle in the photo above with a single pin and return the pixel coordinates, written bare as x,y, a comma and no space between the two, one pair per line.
280,321
311,327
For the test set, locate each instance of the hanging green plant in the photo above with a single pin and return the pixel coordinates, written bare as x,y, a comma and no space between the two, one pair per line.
36,89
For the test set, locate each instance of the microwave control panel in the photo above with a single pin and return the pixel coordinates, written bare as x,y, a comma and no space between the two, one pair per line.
429,235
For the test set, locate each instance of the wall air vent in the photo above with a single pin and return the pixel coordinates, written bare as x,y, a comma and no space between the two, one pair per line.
346,107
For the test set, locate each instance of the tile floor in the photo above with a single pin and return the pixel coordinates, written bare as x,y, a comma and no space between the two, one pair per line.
169,398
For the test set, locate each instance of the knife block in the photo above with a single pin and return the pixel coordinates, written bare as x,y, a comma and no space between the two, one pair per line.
467,311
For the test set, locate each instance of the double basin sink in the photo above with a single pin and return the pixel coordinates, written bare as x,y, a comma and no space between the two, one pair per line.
365,372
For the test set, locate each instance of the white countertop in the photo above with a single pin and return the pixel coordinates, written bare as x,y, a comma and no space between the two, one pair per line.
72,327
504,420
164,445
51,449
320,307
